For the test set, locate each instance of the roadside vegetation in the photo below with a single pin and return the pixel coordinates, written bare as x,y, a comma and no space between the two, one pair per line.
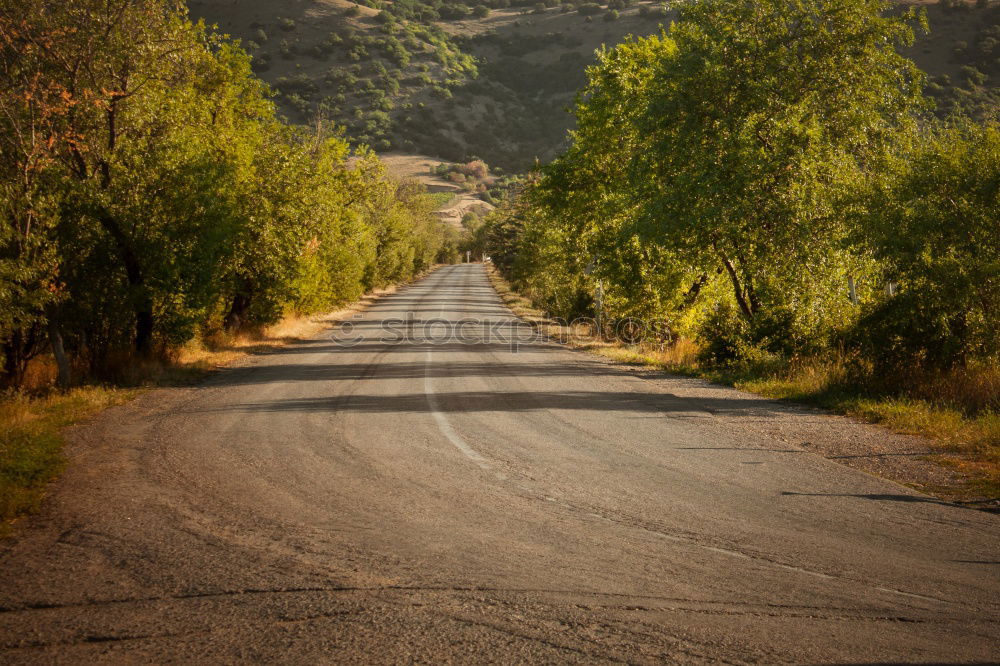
766,189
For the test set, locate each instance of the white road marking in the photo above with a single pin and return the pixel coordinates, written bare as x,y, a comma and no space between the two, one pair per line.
442,421
444,425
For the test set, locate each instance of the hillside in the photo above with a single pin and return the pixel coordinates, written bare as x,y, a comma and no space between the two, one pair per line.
961,56
494,87
467,80
455,202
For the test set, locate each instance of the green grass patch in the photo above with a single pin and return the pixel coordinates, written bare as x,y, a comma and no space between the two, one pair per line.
441,200
820,383
31,442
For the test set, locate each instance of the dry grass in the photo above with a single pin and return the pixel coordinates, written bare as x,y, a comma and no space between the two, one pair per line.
681,357
958,410
31,440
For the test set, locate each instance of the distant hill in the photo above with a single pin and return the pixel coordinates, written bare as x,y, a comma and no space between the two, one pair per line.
493,81
961,56
496,87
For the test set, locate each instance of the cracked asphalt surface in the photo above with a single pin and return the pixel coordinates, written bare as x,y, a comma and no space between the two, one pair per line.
459,501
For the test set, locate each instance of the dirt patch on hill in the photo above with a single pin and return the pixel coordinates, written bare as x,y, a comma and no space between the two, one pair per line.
418,167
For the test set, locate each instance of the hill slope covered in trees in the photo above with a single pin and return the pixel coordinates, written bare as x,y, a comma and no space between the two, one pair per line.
494,79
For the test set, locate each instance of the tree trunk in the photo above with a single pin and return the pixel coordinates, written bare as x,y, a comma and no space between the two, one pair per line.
12,369
142,303
17,350
56,341
144,324
737,287
751,293
692,293
237,311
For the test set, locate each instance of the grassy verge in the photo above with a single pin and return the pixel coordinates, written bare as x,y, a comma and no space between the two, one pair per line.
950,409
968,438
31,441
31,423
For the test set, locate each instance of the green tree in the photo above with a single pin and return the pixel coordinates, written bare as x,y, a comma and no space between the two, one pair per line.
768,110
932,221
148,98
725,154
148,191
32,124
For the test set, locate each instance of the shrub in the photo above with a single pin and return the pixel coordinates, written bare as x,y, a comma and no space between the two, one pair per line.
298,103
589,9
475,169
300,84
286,24
935,228
481,11
261,62
611,15
973,76
455,12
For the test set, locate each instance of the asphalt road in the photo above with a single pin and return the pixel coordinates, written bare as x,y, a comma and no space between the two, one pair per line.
460,500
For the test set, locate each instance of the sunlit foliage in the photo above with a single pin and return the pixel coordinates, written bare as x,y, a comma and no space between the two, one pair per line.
149,194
